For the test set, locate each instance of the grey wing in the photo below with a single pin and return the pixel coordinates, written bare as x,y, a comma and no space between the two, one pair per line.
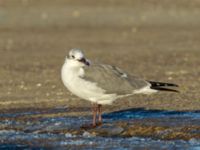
113,79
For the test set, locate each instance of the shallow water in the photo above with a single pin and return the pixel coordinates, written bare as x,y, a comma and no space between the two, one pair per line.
54,132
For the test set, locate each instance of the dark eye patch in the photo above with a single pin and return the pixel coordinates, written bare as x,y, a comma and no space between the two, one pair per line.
73,56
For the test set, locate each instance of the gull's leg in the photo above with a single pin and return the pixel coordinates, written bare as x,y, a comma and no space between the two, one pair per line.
94,109
100,113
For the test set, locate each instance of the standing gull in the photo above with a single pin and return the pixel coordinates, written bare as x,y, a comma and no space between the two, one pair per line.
102,84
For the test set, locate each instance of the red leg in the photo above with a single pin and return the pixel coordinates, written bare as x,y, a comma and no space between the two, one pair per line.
100,113
94,109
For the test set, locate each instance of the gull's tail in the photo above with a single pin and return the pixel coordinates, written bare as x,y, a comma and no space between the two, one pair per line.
160,86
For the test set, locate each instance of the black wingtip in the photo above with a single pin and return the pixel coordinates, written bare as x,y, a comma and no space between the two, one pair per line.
162,84
165,89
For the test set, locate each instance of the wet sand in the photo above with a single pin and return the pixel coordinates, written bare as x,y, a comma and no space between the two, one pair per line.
127,129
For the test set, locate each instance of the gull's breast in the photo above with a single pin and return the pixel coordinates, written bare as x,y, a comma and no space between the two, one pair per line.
85,89
88,90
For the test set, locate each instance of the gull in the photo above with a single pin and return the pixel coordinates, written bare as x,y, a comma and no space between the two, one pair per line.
102,84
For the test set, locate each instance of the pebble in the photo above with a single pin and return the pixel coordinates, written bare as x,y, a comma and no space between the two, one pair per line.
87,134
68,135
38,84
108,130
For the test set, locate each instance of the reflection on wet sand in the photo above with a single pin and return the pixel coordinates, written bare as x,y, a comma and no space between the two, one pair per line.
159,129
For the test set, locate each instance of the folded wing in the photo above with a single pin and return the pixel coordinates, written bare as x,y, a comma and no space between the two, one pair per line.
113,80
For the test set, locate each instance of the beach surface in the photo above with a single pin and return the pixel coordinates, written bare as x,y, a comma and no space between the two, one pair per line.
155,40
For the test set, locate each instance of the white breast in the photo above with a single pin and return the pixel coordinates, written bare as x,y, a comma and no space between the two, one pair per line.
71,78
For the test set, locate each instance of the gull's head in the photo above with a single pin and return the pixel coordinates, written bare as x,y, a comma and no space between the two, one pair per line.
77,58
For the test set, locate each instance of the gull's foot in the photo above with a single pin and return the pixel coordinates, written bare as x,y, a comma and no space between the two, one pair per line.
88,126
99,124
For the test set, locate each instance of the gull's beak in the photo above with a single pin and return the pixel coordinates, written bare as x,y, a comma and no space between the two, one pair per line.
83,60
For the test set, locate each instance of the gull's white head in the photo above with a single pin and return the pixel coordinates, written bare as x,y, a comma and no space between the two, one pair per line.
77,58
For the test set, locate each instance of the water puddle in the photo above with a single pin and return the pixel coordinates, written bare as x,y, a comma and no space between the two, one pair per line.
128,129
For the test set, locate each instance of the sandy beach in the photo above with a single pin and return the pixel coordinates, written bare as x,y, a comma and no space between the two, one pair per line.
153,40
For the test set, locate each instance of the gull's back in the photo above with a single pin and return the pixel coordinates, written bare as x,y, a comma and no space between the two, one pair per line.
112,79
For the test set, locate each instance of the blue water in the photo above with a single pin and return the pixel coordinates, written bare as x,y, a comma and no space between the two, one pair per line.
144,113
82,142
26,134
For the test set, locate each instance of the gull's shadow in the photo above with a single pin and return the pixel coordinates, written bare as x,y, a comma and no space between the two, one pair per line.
140,113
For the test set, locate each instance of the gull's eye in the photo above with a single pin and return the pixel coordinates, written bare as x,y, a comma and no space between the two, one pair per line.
73,56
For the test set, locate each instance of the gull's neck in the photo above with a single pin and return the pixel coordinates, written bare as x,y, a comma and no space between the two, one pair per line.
70,69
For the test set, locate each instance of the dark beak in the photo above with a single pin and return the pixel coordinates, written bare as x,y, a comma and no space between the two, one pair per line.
83,60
